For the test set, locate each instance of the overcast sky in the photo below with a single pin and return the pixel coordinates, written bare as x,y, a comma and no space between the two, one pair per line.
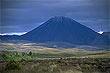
19,16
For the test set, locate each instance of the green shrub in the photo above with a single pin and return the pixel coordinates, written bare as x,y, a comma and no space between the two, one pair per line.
30,53
12,65
44,69
5,55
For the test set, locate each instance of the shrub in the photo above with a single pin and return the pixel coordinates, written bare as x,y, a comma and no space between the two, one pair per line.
44,69
12,65
23,53
30,53
5,55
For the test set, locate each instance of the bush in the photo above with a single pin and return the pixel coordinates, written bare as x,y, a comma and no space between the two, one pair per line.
5,55
12,65
30,53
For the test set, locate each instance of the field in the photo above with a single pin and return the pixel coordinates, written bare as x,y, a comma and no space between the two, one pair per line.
34,58
65,65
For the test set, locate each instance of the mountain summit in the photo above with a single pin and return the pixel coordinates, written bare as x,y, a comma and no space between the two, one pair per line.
61,29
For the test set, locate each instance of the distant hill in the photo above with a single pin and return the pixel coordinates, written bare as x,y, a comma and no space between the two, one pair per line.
9,37
62,29
103,39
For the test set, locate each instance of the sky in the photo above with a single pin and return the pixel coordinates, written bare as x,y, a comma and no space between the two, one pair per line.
21,16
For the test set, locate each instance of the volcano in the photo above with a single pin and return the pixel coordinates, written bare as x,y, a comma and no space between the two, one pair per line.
61,29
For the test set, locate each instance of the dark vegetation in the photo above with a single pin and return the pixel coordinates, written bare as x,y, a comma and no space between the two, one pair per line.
62,65
6,56
18,56
28,62
12,65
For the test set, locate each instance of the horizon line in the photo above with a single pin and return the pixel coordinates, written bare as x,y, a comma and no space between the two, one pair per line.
21,33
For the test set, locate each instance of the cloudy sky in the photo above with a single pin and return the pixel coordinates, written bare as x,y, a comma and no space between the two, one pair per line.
18,16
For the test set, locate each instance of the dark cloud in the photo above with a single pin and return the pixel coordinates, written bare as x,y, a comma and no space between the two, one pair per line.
24,15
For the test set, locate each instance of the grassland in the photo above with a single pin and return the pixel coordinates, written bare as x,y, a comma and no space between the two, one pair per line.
46,52
53,60
65,65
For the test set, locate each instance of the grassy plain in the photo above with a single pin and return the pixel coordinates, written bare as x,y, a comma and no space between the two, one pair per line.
53,60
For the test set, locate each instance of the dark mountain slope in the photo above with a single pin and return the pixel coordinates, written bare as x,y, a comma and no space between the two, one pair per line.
62,29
